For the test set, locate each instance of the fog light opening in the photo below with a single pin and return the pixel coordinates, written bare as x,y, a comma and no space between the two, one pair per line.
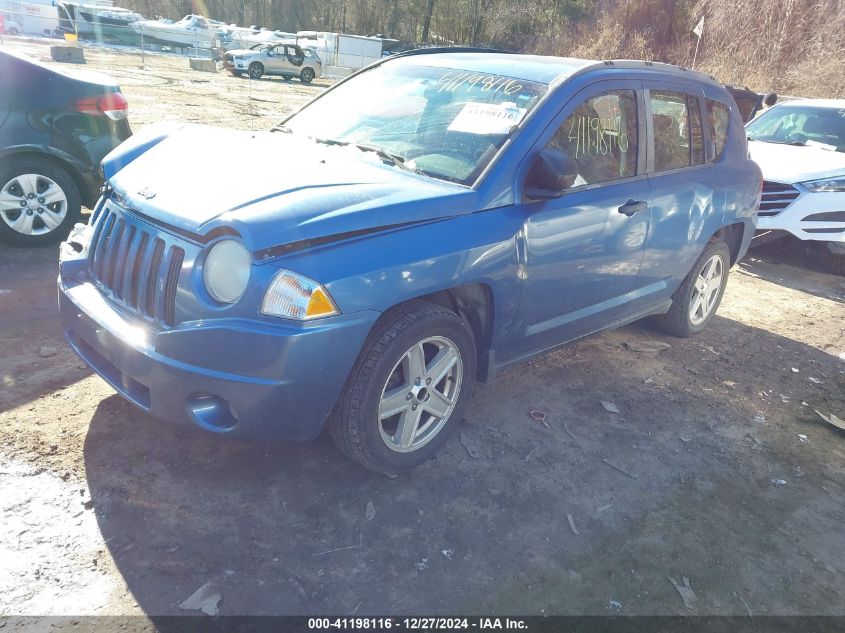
212,412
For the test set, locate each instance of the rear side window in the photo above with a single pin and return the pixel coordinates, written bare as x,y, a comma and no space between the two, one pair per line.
718,115
601,137
671,130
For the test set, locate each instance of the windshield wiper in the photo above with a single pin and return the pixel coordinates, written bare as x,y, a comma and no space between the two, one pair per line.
392,159
281,128
330,141
771,140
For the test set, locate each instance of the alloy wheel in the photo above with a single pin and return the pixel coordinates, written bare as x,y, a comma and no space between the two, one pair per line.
706,290
420,394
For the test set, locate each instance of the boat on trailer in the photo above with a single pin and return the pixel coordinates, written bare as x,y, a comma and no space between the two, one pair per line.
192,31
101,23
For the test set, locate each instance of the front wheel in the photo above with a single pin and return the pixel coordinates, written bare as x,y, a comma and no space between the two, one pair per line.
407,391
256,70
695,302
306,76
39,202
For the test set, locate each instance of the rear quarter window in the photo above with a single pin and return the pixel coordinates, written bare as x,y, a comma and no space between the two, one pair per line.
718,117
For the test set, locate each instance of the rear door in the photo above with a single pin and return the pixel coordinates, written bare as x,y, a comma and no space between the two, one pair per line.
582,251
688,200
295,58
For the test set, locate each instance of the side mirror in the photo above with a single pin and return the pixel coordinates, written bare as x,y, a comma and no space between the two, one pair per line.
551,173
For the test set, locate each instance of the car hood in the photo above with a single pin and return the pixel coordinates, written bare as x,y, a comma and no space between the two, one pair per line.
242,52
796,163
274,188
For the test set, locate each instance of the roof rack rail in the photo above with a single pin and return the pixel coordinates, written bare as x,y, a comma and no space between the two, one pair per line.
430,50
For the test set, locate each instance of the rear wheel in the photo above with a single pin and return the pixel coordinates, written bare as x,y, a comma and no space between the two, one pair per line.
39,202
256,70
407,391
695,302
306,76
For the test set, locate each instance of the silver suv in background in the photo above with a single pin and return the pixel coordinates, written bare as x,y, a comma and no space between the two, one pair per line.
285,59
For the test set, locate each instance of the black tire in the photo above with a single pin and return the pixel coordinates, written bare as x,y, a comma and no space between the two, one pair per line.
677,320
355,426
34,165
835,262
256,70
306,76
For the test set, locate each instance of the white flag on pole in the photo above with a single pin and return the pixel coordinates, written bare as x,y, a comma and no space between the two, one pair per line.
699,28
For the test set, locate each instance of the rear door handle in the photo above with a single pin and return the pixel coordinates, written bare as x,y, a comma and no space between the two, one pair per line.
633,206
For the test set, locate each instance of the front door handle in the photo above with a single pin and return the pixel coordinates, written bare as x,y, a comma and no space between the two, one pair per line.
633,206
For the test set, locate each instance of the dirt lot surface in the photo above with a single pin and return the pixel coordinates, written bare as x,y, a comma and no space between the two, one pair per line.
716,468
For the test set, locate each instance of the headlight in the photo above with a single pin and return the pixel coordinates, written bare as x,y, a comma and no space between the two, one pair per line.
226,271
296,297
836,184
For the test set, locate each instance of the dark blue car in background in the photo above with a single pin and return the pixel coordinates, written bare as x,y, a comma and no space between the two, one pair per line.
421,225
56,126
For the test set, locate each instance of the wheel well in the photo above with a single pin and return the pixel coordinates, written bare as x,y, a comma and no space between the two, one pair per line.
732,235
474,303
88,197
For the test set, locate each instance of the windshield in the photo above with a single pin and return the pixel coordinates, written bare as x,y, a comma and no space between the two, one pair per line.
445,123
800,125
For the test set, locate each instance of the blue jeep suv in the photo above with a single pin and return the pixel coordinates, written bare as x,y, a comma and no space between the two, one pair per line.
421,225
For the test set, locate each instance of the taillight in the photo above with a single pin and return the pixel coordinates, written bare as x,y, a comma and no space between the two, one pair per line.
113,105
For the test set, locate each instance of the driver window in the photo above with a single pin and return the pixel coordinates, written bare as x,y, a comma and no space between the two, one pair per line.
600,136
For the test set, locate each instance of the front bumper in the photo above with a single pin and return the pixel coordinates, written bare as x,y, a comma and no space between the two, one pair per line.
811,216
244,378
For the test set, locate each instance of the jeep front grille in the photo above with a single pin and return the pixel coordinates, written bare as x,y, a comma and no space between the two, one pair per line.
776,197
134,266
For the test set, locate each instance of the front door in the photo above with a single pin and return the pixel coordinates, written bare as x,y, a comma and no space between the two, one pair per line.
582,252
277,62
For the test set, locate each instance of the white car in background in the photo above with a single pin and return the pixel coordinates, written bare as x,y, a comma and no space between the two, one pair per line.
286,59
800,147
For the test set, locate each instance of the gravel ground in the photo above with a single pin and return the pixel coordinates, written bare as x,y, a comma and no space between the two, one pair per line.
716,468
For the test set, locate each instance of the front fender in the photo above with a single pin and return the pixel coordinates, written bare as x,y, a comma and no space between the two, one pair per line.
377,272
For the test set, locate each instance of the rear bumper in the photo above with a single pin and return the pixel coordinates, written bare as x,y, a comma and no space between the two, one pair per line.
236,377
811,216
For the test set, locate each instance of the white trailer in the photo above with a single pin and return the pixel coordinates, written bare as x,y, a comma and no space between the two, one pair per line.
340,49
35,17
